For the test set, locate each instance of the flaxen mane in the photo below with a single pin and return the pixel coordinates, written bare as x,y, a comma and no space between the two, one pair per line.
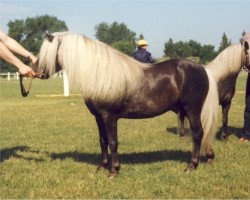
97,70
229,61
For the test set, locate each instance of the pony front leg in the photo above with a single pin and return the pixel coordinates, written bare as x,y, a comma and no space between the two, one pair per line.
103,143
111,128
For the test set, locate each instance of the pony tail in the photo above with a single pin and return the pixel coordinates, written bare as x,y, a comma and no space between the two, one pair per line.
209,114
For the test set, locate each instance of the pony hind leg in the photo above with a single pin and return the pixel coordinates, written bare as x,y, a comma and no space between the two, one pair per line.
225,110
182,129
196,127
210,156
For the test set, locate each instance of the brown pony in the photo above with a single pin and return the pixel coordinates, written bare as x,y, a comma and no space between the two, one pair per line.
116,86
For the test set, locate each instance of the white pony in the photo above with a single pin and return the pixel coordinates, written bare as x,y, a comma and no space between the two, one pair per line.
225,69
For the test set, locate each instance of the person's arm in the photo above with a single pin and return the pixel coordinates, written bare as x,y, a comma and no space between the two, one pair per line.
15,47
7,55
150,59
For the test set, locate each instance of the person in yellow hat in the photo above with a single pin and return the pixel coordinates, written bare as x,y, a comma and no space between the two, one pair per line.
142,54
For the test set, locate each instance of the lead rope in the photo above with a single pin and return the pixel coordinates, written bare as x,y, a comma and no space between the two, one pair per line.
25,92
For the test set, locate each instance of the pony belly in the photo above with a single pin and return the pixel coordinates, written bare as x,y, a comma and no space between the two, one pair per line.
146,110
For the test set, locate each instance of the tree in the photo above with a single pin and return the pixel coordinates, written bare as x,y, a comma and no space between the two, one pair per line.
224,43
207,53
177,50
30,33
141,37
117,35
195,48
125,47
183,50
192,50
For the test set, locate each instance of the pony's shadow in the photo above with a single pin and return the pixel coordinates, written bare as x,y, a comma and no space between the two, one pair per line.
127,158
7,153
172,130
231,130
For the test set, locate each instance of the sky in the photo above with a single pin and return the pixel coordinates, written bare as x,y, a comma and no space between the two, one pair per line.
204,21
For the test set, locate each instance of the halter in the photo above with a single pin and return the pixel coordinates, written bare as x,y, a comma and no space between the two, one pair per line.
25,92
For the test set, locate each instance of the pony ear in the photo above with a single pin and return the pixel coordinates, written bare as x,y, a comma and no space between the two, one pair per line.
246,45
49,36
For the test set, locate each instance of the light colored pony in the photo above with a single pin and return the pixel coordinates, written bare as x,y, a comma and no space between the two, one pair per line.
225,69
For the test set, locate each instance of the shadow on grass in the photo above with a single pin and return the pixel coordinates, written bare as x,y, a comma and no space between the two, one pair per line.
7,153
93,158
130,158
172,130
231,130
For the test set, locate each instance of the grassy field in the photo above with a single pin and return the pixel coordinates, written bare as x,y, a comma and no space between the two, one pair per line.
50,148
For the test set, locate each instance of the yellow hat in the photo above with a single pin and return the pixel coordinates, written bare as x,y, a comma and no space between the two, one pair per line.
142,43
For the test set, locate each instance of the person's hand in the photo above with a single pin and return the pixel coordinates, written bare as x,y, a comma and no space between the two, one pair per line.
32,58
26,71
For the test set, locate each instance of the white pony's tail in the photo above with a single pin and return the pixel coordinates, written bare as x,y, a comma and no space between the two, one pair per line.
209,114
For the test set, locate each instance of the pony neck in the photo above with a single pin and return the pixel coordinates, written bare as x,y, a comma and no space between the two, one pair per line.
227,63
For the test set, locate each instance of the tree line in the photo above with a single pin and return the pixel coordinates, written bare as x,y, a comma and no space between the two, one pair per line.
30,34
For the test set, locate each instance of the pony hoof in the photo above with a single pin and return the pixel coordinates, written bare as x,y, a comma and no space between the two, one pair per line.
112,175
101,168
182,133
188,169
210,161
191,166
225,138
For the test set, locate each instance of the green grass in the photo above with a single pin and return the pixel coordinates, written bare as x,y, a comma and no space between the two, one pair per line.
50,149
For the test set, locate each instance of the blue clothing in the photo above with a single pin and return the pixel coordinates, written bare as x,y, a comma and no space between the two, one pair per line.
143,55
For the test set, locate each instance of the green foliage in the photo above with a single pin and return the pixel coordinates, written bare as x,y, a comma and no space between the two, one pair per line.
141,37
189,49
117,35
169,50
5,67
30,33
126,47
50,150
225,42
